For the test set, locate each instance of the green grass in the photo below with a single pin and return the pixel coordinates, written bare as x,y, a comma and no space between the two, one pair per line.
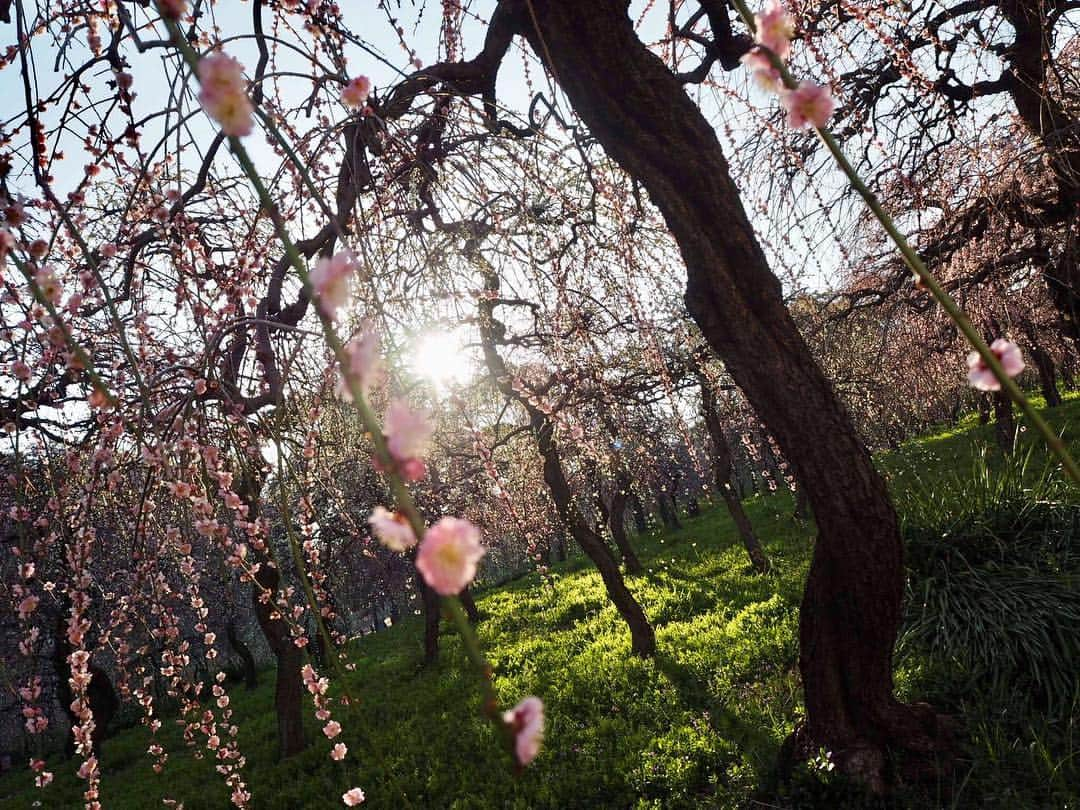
699,726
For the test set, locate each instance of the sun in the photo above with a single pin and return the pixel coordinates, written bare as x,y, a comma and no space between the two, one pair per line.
441,358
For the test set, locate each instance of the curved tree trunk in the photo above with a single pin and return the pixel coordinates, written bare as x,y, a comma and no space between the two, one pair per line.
642,638
617,524
722,473
288,690
668,516
850,615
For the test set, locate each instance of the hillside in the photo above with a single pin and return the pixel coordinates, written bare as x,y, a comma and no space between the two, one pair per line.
700,726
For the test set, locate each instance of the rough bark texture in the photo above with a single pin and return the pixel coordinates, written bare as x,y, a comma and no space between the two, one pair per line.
850,614
722,474
1044,364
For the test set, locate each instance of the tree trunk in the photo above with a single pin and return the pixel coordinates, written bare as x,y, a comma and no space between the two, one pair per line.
560,546
1004,422
641,523
1044,364
850,616
722,475
251,673
288,690
642,638
983,404
668,516
432,614
99,692
469,603
617,524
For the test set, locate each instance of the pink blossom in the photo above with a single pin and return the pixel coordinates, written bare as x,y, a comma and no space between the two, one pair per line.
332,729
28,606
407,432
7,242
365,363
353,797
808,104
1007,353
768,77
775,28
526,720
45,281
339,752
392,529
224,95
330,281
448,555
356,92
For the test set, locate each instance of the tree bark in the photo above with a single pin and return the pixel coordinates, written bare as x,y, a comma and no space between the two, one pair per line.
251,673
432,614
850,615
722,475
469,603
668,516
99,692
1044,364
641,523
1004,422
617,524
288,688
642,638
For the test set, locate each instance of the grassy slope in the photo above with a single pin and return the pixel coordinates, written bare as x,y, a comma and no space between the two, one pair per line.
699,726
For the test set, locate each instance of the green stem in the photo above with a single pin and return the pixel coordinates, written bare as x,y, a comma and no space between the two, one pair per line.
919,268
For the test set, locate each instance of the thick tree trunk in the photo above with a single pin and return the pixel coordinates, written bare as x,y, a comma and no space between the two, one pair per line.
560,546
850,616
722,475
984,406
251,673
288,691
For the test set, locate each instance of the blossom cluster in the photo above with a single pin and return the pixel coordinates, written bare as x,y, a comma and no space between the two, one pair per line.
807,104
